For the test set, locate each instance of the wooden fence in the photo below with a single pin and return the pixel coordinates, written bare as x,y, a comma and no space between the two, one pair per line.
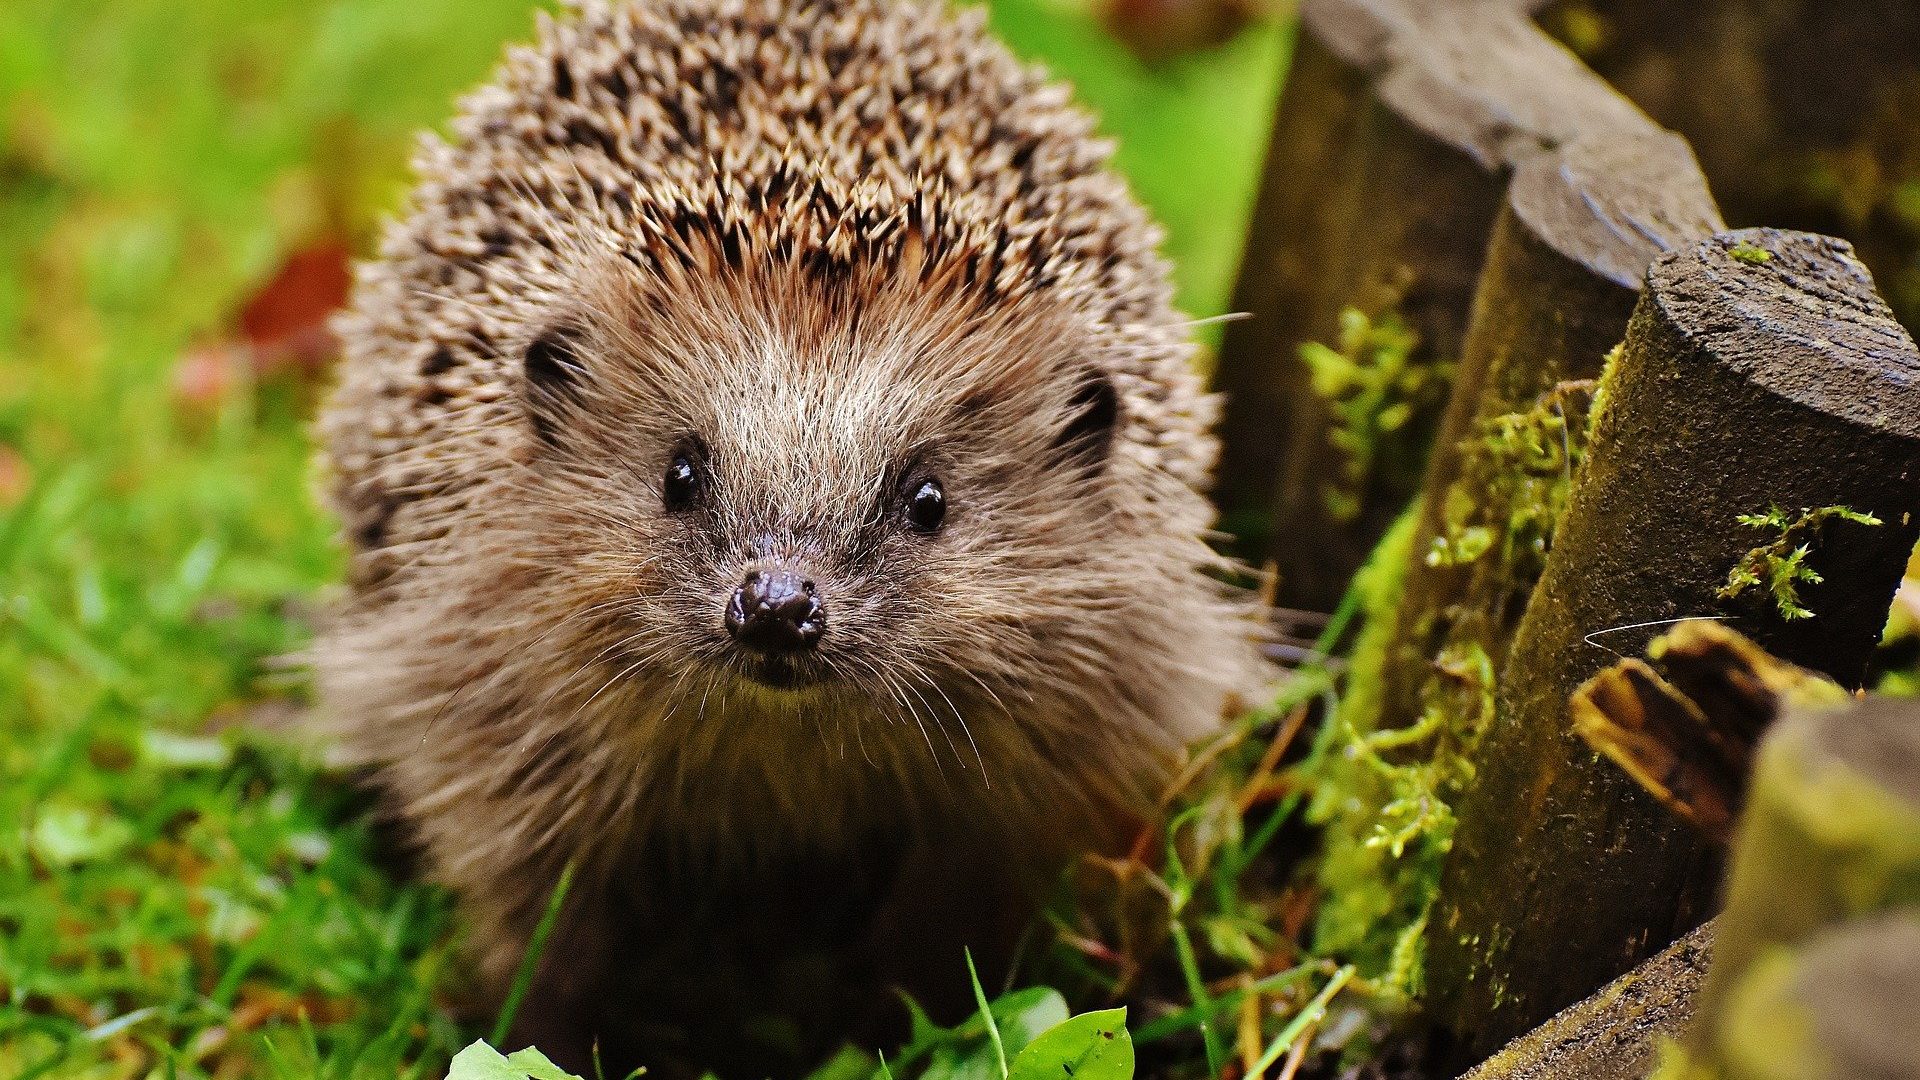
1458,223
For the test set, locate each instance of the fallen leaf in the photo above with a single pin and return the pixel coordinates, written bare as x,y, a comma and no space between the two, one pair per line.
280,332
284,323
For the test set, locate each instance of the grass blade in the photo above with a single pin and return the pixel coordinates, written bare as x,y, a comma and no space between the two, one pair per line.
1310,1015
529,963
986,1014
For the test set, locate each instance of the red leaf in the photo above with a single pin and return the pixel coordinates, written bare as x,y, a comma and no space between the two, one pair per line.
285,322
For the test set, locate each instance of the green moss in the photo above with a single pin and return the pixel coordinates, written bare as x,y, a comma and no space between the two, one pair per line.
1359,895
1374,390
1603,388
1514,483
1780,566
1388,795
1765,1031
1750,253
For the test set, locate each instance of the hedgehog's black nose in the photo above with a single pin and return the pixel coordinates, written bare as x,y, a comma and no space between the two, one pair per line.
776,612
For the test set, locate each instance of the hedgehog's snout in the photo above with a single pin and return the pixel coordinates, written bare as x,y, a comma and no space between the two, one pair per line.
776,612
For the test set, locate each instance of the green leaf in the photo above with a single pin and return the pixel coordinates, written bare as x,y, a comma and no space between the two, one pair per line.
483,1062
1025,1015
966,1051
956,1061
1091,1046
851,1063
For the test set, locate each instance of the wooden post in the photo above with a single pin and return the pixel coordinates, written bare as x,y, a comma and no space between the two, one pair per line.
1832,830
1399,123
1802,111
1575,237
1844,1006
1759,371
1616,1034
1575,234
1831,834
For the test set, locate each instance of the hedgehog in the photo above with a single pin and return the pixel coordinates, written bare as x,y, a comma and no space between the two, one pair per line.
768,453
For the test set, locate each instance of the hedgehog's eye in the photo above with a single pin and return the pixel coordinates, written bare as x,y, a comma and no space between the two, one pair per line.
926,507
681,483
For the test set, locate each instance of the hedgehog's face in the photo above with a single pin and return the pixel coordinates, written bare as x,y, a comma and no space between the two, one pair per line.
893,510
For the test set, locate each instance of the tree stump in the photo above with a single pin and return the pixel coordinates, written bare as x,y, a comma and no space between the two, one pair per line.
1398,125
1762,382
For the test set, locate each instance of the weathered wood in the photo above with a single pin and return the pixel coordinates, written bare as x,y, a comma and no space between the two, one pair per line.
1577,232
1802,111
1759,370
1685,724
1616,1034
1832,833
1398,125
1846,1006
1832,830
1807,988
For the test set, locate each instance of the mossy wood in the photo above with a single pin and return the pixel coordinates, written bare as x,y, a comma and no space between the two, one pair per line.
1802,111
1806,981
1846,1006
1616,1034
1575,236
1759,371
1399,124
1832,831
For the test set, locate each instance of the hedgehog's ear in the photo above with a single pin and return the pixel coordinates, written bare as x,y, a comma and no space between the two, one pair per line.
1094,414
553,373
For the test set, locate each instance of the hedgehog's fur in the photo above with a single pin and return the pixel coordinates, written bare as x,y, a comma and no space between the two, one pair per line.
833,241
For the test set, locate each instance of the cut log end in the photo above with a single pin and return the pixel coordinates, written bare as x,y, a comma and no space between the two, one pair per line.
1797,314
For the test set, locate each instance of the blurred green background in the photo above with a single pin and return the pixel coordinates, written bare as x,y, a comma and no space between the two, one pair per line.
178,181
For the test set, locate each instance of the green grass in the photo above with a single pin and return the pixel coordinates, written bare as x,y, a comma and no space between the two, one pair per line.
178,896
